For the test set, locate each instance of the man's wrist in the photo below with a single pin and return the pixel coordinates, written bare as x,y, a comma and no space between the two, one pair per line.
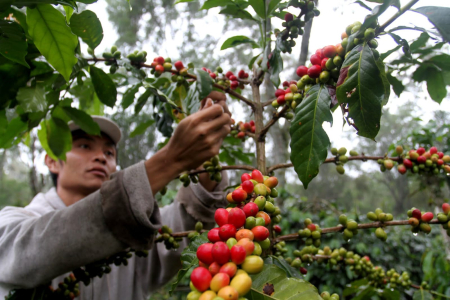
161,169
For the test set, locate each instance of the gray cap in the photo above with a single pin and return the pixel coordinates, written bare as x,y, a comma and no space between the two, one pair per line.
106,126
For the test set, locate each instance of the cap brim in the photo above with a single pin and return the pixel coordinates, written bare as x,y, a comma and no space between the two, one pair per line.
106,126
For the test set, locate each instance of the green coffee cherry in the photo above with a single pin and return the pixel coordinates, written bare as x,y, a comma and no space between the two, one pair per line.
372,216
381,234
342,151
334,151
343,219
199,226
340,169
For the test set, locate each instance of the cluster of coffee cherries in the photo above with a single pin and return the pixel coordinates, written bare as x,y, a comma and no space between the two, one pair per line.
290,96
160,65
238,241
165,235
351,227
324,68
362,266
311,233
327,296
214,168
423,162
380,216
419,221
67,289
256,196
365,36
444,217
239,130
232,81
293,26
341,158
111,58
303,256
198,230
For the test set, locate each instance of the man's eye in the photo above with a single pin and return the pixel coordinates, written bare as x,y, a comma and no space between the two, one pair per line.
109,153
84,146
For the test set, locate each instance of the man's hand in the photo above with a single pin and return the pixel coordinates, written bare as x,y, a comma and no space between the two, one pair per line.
196,139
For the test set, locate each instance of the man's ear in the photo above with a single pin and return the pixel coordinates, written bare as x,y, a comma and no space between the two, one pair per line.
53,165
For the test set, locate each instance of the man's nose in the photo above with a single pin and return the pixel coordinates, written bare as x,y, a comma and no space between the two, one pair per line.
100,156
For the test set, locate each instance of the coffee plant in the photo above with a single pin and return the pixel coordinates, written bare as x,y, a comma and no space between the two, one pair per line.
46,82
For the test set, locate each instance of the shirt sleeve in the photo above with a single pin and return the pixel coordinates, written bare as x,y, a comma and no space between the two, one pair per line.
35,249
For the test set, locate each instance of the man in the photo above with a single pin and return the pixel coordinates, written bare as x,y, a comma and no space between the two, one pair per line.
92,215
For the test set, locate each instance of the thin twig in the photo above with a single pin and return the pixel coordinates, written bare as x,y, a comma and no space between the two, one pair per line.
225,89
275,118
333,160
268,103
234,167
400,12
295,236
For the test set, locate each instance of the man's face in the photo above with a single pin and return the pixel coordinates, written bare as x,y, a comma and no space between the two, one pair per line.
89,163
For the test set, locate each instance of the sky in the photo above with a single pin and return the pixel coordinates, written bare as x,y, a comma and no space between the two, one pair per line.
327,29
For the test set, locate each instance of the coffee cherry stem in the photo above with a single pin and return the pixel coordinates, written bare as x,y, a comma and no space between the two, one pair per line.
339,228
275,117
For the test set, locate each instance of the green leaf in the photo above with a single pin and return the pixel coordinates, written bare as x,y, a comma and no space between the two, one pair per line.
236,11
39,68
42,135
283,264
436,85
309,142
422,295
362,4
53,38
354,287
360,85
386,54
397,85
420,42
69,12
260,7
128,97
215,3
252,61
13,76
276,66
189,258
4,5
142,100
12,133
273,4
238,40
104,86
59,138
19,17
441,60
183,1
83,120
204,83
13,44
32,99
141,128
87,26
386,84
244,157
285,288
438,16
32,3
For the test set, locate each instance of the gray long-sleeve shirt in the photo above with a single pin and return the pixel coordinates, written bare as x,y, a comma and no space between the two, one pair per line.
46,239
